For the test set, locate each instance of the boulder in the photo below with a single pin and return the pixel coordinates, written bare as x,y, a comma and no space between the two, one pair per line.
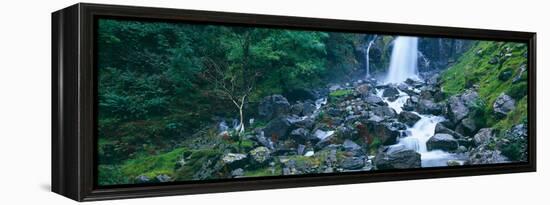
410,103
484,136
350,145
445,142
503,105
440,128
386,132
297,122
384,112
309,108
428,107
375,100
408,118
390,92
457,110
234,160
297,109
142,179
273,106
362,89
352,163
466,127
277,128
302,135
260,155
397,157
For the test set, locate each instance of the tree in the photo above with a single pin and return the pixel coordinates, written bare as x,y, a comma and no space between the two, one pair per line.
234,85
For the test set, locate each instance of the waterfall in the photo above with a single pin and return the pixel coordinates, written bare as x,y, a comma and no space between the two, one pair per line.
404,57
367,58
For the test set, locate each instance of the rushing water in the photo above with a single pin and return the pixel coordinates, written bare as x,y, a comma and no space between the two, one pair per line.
418,135
404,60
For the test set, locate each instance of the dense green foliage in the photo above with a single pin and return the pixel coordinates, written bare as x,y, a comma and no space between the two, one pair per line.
154,90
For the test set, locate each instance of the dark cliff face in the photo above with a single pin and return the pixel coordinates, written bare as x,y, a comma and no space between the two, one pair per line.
440,53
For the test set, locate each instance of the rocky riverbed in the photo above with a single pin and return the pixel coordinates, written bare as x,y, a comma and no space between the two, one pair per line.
361,126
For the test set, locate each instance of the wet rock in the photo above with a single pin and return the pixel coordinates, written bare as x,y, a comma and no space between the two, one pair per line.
375,100
353,163
273,106
390,92
309,108
484,136
410,104
455,163
397,157
440,128
408,118
428,107
445,142
503,105
384,112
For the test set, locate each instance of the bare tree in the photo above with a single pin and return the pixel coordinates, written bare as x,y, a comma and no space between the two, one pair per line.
235,85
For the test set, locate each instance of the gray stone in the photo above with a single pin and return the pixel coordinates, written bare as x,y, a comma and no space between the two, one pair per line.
260,155
273,106
390,92
445,142
237,172
408,118
484,136
353,163
397,157
503,105
277,128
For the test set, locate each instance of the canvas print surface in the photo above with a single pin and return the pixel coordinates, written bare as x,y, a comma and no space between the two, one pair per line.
184,102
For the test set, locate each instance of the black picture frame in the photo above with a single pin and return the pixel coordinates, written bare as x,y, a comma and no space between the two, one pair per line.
74,101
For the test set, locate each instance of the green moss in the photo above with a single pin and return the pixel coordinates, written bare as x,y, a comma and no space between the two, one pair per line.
152,166
195,161
110,175
340,93
473,68
516,116
264,171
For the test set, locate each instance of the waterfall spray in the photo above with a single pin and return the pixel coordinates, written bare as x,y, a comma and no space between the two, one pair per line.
404,57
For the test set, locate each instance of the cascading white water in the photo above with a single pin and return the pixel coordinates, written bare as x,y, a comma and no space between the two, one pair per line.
403,62
418,135
367,58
